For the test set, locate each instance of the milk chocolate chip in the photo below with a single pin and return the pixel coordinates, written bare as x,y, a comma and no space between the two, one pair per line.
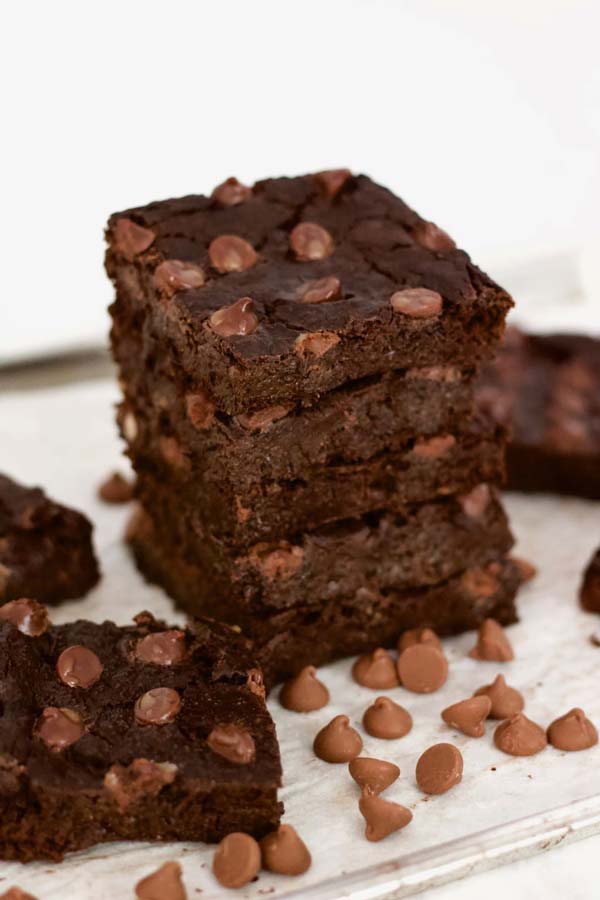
439,768
310,241
233,743
382,817
433,238
230,253
164,884
238,319
422,668
231,192
116,489
59,727
573,731
469,715
316,343
332,181
162,648
131,239
79,667
174,275
476,502
387,720
141,778
338,742
375,774
236,860
322,290
284,852
418,636
304,693
492,643
519,736
158,706
29,616
376,670
506,701
15,893
417,303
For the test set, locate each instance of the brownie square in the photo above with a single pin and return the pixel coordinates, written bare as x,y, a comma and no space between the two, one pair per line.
45,548
138,733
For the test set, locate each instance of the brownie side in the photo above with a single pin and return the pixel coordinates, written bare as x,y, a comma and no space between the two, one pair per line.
292,349
123,777
46,549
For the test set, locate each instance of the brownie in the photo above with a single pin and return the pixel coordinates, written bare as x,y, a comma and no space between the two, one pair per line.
296,288
136,733
589,592
548,388
46,549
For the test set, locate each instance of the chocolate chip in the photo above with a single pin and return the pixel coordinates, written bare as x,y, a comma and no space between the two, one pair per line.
237,319
573,731
131,239
316,343
262,418
29,616
230,253
163,648
331,181
116,489
382,817
142,778
233,743
422,668
78,667
174,275
476,502
386,719
468,715
322,290
417,303
434,447
375,670
231,192
158,706
433,238
519,736
237,860
310,241
338,742
418,636
506,701
492,643
439,768
200,410
59,727
284,852
375,774
164,884
304,693
15,893
527,570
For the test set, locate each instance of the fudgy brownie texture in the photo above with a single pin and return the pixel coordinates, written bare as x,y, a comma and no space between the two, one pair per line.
318,631
295,288
548,388
45,548
589,593
137,733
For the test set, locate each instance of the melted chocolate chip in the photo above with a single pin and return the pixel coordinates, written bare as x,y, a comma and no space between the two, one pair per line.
59,727
432,237
131,239
29,616
158,706
316,343
78,667
322,290
310,241
417,303
230,253
237,319
175,275
231,192
163,648
233,743
331,181
140,779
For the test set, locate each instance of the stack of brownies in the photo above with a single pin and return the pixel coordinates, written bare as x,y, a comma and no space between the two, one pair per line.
297,361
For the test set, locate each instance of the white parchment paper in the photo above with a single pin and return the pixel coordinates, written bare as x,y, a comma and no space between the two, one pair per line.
65,440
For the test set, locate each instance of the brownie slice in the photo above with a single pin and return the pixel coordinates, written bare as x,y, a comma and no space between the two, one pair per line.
297,288
548,387
137,733
45,548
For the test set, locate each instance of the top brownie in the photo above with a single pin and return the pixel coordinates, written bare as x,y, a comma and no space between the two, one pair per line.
282,291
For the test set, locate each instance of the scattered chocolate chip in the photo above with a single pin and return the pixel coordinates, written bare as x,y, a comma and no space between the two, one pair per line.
376,670
519,736
200,410
375,774
29,616
322,290
316,343
231,192
174,275
338,742
331,181
382,817
492,643
422,668
59,727
310,241
15,893
158,706
418,636
589,592
116,489
140,779
506,701
284,852
163,884
386,719
433,238
527,570
439,768
131,239
78,667
237,860
468,715
237,319
304,693
234,744
230,253
262,418
476,502
434,447
573,731
417,303
162,648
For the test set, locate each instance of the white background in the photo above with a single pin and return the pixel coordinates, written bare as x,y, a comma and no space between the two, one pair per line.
485,115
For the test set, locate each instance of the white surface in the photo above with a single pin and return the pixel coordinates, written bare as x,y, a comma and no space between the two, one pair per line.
556,668
484,116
